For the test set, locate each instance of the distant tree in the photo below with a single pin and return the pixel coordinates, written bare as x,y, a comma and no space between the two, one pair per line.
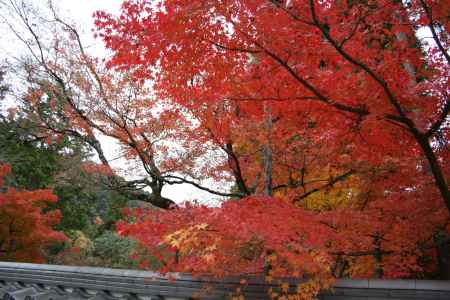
41,161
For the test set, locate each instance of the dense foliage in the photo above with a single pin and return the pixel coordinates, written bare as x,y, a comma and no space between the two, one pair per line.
324,125
305,97
24,227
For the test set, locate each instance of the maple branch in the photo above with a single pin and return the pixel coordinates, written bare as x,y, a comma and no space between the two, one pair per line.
321,97
395,120
429,13
126,188
441,120
147,160
236,167
330,184
402,118
181,180
66,93
81,47
369,71
421,138
233,163
361,111
351,34
23,17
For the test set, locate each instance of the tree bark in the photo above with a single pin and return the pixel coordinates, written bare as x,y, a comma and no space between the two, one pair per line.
442,240
268,153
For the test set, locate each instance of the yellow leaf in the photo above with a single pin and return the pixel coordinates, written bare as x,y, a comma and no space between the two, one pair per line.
211,248
202,226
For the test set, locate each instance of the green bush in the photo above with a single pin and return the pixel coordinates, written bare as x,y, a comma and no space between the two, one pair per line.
115,251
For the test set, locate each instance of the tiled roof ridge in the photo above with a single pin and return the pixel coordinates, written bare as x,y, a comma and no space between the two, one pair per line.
44,282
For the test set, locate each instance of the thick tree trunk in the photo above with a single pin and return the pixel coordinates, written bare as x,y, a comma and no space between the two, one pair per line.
378,256
435,168
422,139
442,240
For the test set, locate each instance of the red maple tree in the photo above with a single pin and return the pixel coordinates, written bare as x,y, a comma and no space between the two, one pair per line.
358,63
354,72
331,118
24,228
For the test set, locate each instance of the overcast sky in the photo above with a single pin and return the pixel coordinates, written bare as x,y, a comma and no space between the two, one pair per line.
81,11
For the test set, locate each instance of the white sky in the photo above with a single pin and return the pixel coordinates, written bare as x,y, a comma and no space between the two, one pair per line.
81,11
